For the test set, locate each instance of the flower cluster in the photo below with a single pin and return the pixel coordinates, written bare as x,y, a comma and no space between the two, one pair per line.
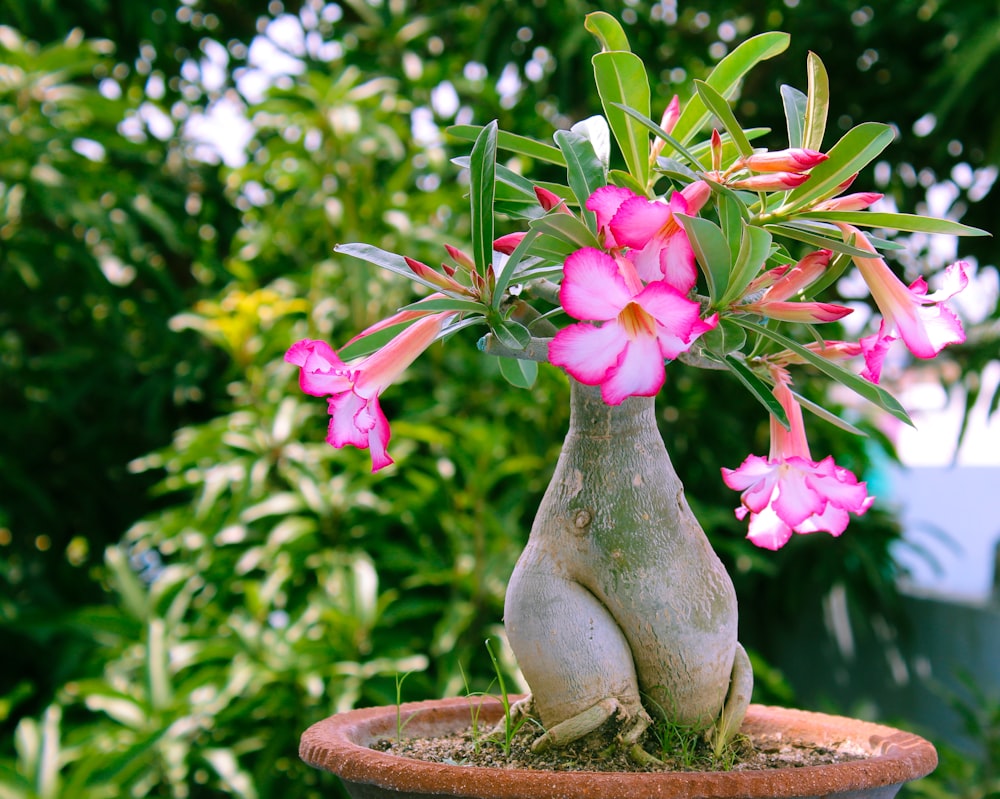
632,277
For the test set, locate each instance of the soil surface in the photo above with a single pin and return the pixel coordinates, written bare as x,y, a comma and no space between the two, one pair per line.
485,748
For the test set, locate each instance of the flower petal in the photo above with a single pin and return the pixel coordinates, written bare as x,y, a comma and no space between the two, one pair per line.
588,353
322,371
592,287
767,530
639,372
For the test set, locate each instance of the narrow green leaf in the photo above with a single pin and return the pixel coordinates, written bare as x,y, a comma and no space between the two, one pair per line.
711,250
584,169
794,103
829,416
656,130
438,304
719,106
911,223
389,261
623,179
818,103
482,175
863,388
607,30
727,77
731,219
758,388
815,238
855,150
567,228
755,248
506,272
622,80
157,668
511,142
519,373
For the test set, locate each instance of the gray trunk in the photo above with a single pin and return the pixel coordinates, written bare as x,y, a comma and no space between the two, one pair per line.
618,595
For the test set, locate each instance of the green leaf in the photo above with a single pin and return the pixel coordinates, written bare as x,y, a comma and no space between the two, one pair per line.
829,416
911,223
389,261
482,174
816,238
511,334
758,388
727,77
855,150
584,169
438,304
711,249
506,272
512,142
607,30
794,103
622,80
863,388
719,106
565,227
755,249
723,339
656,130
817,105
519,373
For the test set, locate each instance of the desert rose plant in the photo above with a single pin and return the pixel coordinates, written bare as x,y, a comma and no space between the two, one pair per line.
693,246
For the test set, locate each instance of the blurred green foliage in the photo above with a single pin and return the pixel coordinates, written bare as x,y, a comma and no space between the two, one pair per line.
189,575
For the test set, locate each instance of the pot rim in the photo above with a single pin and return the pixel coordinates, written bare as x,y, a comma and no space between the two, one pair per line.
340,744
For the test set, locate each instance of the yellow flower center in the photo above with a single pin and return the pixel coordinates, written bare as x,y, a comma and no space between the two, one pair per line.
636,321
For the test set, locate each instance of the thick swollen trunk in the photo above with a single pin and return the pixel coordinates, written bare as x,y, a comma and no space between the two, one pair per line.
618,601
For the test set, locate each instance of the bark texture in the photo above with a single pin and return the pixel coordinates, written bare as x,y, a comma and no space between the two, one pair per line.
618,606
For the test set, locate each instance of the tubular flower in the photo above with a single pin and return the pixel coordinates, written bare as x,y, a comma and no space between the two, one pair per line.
922,320
641,326
353,390
780,283
788,492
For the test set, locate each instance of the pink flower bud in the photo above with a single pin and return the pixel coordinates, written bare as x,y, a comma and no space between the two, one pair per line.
849,202
795,159
461,258
507,244
550,200
697,195
772,181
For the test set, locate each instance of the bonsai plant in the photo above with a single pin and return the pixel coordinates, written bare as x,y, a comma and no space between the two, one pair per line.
691,247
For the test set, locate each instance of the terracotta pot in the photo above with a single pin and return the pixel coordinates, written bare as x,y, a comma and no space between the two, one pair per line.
340,744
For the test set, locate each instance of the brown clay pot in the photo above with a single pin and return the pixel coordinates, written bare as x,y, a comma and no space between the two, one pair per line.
340,744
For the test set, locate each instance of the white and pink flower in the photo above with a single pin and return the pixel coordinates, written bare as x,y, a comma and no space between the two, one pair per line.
788,492
353,390
639,326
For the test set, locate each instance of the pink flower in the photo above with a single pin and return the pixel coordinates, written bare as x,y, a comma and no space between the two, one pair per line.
788,492
353,390
922,320
605,202
658,245
641,326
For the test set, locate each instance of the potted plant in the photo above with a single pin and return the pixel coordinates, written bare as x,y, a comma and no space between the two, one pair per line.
706,250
